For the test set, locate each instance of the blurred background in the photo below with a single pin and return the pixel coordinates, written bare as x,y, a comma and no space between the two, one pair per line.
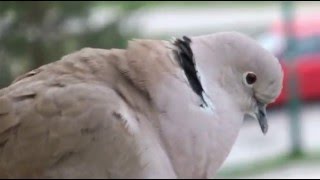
36,33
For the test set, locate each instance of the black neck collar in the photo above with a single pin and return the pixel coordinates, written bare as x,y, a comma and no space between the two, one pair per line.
185,58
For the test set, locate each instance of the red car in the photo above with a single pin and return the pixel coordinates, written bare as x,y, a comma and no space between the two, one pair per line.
306,56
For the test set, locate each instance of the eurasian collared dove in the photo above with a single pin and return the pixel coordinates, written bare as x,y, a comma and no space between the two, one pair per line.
158,109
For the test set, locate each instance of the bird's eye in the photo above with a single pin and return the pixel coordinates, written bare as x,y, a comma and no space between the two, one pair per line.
250,78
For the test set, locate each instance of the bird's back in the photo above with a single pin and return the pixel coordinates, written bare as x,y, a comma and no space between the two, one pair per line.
75,118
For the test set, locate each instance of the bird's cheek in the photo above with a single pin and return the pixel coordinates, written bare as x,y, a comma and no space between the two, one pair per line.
249,105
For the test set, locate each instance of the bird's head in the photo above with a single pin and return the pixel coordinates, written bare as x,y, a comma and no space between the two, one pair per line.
242,68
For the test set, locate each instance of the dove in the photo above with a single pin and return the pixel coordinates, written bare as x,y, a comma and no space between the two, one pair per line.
156,109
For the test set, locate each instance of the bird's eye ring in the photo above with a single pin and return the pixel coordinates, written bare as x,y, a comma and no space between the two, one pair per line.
249,78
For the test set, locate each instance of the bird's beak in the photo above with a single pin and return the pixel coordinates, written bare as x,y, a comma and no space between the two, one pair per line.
261,116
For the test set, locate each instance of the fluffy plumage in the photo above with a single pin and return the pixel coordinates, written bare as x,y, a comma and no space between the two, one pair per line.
133,113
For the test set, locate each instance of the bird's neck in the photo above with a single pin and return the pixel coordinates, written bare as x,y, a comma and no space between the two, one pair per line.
194,137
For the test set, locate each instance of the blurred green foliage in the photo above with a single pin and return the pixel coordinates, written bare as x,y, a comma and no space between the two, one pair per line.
34,33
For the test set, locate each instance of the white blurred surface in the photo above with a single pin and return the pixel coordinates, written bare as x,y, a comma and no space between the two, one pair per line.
292,171
177,21
251,146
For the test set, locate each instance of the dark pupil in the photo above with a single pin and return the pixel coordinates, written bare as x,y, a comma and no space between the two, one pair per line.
251,78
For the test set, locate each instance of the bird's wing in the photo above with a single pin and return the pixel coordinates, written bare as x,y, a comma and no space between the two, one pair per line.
60,121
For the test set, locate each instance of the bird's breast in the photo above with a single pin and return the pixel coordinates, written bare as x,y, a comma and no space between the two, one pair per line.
196,141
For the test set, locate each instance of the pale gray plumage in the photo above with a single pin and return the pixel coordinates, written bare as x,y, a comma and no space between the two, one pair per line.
131,113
